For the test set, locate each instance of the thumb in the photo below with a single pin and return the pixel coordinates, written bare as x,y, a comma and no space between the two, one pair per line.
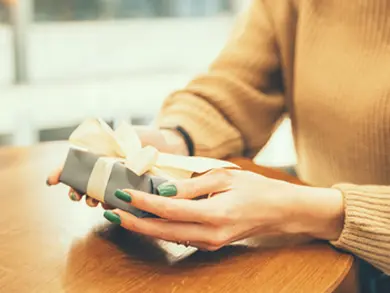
148,135
165,140
215,181
54,176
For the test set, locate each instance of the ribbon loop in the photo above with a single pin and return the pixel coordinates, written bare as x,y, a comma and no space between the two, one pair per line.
123,145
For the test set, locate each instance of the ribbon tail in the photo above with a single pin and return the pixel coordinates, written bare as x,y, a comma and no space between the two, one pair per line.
191,164
170,173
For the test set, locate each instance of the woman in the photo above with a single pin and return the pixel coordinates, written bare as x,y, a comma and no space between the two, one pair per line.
327,65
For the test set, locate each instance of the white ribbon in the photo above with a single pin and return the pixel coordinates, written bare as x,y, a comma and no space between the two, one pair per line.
124,146
99,177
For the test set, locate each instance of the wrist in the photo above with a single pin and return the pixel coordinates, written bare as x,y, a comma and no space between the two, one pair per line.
175,141
321,212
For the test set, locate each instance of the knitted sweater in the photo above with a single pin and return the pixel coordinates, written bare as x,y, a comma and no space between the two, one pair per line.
325,63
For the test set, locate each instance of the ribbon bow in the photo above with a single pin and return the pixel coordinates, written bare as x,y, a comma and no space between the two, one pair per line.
123,145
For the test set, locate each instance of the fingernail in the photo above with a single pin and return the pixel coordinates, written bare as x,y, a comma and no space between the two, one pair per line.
48,182
113,218
167,190
73,196
122,195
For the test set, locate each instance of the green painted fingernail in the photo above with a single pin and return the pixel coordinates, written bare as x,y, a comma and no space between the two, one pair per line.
73,196
122,195
167,190
113,218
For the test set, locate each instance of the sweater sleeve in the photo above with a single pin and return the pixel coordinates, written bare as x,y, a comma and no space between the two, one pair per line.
366,230
234,107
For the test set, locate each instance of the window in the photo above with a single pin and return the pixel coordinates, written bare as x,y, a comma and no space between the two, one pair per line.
78,10
115,59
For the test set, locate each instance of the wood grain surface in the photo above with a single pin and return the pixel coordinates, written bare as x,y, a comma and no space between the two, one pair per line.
51,244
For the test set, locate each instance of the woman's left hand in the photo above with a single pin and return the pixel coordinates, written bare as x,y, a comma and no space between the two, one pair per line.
244,204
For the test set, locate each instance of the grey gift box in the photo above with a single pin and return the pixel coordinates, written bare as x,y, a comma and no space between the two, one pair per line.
77,171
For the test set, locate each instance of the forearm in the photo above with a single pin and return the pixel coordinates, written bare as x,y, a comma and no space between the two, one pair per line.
233,108
211,134
321,212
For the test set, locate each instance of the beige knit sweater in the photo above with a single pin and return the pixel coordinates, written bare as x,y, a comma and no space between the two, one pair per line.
325,63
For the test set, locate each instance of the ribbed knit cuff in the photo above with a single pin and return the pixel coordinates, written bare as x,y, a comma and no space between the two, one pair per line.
366,230
210,132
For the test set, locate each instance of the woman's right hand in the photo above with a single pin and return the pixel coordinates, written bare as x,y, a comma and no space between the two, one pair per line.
167,141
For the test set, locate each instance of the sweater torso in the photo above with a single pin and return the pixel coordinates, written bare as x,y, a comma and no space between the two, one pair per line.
341,91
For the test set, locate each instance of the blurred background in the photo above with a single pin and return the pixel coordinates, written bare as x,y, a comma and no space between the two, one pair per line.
63,61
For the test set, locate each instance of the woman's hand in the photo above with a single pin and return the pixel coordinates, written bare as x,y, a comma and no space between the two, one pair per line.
167,141
243,204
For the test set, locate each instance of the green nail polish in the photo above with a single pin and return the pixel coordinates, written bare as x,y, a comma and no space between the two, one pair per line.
73,196
167,190
113,218
123,195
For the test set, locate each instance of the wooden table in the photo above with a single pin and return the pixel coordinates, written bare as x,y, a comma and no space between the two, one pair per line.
51,244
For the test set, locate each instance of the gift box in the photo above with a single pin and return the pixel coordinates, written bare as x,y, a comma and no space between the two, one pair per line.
79,166
101,160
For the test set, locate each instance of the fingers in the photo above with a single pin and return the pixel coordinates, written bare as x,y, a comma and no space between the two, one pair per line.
196,234
205,237
148,135
54,177
173,209
211,182
73,195
179,208
91,202
106,206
